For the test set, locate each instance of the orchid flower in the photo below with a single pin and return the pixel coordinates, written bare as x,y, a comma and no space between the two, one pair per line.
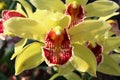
7,14
78,9
60,33
57,44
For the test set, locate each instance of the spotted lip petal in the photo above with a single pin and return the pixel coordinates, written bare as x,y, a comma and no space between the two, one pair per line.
97,50
58,50
76,12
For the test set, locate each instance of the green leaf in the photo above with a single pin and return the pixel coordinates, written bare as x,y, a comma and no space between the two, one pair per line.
101,8
109,66
52,5
26,28
29,58
82,2
111,43
72,76
88,30
85,54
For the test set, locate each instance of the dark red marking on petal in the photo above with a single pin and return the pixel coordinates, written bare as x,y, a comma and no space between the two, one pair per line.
58,50
1,26
77,14
97,50
99,59
6,14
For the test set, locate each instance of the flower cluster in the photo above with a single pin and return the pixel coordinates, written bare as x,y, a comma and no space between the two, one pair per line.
75,33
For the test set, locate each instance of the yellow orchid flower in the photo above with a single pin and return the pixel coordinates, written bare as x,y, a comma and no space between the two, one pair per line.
58,35
78,9
57,43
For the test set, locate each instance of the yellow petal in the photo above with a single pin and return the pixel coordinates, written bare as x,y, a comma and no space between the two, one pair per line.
29,58
109,66
26,6
88,30
52,5
26,28
82,2
85,58
18,48
101,8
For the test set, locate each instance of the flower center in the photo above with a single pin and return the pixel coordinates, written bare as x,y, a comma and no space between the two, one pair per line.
57,50
76,12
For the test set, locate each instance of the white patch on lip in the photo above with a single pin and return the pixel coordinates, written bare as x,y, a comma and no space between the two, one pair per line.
58,32
74,6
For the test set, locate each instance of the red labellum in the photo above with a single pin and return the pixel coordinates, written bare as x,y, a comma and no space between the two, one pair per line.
77,14
57,50
97,51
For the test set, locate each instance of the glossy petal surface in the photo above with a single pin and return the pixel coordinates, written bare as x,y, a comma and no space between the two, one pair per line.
109,66
52,5
7,14
82,2
29,58
88,30
101,8
88,58
31,28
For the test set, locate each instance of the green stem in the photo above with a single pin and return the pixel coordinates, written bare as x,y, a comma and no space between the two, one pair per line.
54,76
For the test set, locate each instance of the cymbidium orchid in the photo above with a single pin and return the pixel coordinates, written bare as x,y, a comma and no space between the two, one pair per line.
78,9
7,14
56,40
76,12
60,33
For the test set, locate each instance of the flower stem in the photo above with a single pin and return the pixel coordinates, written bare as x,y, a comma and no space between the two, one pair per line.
54,76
